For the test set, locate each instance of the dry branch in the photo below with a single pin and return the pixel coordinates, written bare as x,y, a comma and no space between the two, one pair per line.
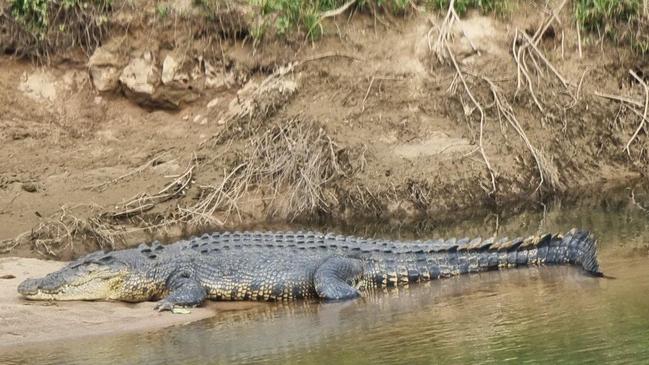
622,99
144,202
135,171
247,114
327,55
291,164
59,232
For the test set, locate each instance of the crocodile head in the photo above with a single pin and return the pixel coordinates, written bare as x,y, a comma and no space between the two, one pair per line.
97,276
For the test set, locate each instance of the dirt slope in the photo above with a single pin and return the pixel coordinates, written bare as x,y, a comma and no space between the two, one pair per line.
391,133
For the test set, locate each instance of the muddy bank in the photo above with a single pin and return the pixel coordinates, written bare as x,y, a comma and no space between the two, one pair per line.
158,138
27,322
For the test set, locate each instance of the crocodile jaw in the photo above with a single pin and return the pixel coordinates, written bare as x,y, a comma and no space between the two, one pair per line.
94,288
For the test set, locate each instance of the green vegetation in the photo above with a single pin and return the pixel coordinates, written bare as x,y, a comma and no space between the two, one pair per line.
162,10
498,7
598,15
291,15
82,21
37,16
286,16
619,20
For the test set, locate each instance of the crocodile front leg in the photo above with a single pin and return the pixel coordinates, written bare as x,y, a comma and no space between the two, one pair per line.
334,278
184,291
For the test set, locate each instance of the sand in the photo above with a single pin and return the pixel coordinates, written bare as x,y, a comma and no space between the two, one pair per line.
25,322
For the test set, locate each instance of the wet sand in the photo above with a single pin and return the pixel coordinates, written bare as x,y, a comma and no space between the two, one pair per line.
26,322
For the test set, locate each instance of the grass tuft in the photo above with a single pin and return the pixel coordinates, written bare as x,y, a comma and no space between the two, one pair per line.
619,20
498,7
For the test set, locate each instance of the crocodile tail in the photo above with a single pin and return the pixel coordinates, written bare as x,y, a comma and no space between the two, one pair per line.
576,247
582,250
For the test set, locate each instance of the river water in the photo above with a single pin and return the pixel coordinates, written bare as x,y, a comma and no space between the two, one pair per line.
531,315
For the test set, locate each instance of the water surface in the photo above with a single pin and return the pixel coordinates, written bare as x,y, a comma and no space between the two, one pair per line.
535,315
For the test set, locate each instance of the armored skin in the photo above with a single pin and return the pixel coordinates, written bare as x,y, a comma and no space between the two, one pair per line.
288,266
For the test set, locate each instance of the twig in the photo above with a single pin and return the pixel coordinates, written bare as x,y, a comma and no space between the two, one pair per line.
136,171
145,202
644,115
636,203
367,94
581,81
619,98
328,55
579,38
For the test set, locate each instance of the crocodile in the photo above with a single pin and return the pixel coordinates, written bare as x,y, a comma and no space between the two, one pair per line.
285,266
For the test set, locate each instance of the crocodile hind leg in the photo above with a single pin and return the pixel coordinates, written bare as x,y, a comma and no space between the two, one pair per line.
334,278
183,292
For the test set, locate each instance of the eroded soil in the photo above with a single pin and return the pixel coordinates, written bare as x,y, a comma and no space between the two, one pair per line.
70,157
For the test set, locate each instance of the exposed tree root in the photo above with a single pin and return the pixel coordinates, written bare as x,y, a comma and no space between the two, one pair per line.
644,114
504,110
443,52
482,121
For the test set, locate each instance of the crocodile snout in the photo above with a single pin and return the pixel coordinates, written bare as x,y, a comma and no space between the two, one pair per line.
29,287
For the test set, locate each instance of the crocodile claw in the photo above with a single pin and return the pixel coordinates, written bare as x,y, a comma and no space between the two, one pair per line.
164,305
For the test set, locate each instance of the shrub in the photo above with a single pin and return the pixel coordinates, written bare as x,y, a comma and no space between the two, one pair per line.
37,15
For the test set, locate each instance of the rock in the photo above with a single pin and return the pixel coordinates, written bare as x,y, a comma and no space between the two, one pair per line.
140,77
105,66
142,82
212,103
146,84
30,187
169,68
